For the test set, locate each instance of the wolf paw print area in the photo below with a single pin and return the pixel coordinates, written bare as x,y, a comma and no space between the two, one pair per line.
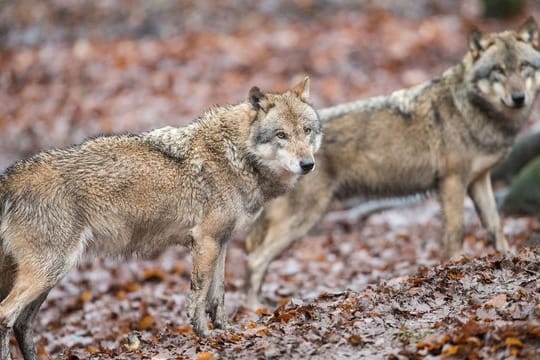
362,286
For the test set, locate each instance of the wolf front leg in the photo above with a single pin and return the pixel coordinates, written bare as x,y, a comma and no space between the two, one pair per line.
216,295
205,251
481,193
452,197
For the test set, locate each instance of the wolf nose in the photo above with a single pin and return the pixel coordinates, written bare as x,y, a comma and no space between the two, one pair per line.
518,97
307,165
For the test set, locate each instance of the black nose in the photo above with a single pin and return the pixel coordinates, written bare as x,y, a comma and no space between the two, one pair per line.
518,97
307,165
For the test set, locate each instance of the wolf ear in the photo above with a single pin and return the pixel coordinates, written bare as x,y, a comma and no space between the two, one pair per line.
477,42
528,32
255,97
302,89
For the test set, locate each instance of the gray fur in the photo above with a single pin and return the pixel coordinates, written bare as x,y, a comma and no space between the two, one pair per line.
139,194
444,136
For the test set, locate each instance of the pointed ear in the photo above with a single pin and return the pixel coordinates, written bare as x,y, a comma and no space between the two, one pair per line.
528,32
478,42
302,89
255,97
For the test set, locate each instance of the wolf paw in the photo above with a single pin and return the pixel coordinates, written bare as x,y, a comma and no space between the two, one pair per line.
221,323
201,330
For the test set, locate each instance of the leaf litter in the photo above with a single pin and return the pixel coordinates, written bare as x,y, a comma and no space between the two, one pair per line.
367,287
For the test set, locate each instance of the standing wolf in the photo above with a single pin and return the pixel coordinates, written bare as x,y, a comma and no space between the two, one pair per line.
137,194
443,135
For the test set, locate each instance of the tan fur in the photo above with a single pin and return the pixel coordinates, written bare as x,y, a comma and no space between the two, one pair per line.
138,194
443,135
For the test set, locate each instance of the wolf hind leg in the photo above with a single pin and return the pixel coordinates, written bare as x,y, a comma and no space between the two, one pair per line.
285,221
23,327
8,270
7,277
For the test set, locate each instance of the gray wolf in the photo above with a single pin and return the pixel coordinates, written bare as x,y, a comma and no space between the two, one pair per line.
137,194
442,136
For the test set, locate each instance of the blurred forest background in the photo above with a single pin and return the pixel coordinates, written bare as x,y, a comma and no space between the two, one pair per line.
70,69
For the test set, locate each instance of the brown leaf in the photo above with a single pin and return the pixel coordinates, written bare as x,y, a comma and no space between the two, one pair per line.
450,350
92,350
252,325
86,296
496,301
513,341
263,312
205,355
235,337
131,287
184,329
286,317
355,340
156,275
146,322
433,342
263,332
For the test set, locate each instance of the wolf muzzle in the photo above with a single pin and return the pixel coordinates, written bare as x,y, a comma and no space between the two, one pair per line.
518,98
307,164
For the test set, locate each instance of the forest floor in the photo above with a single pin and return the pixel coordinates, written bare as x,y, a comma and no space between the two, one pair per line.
370,288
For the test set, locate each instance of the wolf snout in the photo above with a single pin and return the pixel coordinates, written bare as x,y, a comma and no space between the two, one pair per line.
518,98
307,164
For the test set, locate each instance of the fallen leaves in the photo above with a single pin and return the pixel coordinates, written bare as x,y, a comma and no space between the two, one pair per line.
402,303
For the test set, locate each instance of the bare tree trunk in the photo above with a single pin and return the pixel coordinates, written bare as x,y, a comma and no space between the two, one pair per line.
503,8
523,151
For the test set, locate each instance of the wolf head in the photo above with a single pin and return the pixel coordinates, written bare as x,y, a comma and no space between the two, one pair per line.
504,69
286,130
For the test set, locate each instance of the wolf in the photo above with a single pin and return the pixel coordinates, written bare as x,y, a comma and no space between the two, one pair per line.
443,137
138,194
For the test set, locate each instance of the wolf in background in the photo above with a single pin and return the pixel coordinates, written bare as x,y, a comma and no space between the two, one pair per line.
138,194
444,136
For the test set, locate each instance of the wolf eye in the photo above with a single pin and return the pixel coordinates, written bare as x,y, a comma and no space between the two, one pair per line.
526,67
281,135
498,70
307,130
